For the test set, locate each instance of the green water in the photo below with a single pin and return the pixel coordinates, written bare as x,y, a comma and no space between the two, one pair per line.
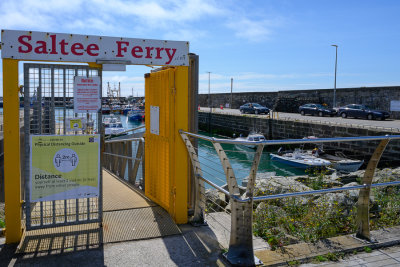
241,160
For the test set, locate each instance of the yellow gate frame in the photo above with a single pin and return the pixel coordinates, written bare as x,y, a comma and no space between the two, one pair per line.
12,157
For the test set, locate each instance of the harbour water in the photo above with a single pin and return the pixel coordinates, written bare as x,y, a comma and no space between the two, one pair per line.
241,160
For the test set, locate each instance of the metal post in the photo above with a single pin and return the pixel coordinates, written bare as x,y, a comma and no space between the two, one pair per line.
363,197
199,190
209,95
241,252
230,106
12,175
334,89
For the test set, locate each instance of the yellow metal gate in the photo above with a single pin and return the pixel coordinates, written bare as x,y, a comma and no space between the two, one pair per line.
166,164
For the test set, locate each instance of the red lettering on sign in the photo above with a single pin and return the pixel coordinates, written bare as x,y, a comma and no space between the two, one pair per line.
148,49
53,45
28,45
75,47
42,48
62,45
170,57
135,50
91,48
120,48
159,49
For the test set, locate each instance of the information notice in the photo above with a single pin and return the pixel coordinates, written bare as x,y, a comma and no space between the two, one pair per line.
86,94
64,167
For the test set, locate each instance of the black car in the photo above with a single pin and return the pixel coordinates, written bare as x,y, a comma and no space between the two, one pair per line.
316,109
362,111
253,108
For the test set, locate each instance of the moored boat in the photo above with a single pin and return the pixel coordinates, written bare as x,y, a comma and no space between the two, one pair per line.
113,126
136,115
300,159
252,138
342,163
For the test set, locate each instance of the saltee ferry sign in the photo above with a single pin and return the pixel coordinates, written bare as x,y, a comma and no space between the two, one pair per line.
29,45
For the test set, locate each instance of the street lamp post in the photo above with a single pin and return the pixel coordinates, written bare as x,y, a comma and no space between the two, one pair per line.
230,106
334,89
209,96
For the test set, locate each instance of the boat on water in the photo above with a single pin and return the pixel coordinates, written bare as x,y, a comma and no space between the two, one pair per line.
252,138
105,109
339,161
300,159
113,126
136,115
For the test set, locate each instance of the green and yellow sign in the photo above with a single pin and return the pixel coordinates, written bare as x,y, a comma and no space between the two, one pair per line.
64,167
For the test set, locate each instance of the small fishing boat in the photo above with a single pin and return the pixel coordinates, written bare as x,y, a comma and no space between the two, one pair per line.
300,159
127,108
105,109
113,126
340,162
252,138
136,115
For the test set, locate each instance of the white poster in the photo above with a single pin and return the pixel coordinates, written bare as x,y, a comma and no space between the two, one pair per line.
86,94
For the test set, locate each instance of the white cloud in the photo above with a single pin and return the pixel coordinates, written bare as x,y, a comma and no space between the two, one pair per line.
252,30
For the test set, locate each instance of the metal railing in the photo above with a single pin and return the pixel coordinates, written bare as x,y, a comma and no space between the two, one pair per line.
242,200
125,132
125,158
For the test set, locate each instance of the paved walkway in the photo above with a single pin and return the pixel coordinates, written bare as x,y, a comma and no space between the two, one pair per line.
380,257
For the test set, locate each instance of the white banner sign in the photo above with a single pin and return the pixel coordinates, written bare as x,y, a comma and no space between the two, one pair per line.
28,45
86,94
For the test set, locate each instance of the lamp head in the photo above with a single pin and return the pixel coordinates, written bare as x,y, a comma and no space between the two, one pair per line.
334,45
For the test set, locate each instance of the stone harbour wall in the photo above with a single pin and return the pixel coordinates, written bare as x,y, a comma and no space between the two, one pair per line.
375,97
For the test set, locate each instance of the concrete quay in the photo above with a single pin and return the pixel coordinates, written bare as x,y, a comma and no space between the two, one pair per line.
201,246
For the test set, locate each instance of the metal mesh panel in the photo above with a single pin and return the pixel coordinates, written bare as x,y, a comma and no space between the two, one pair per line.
48,95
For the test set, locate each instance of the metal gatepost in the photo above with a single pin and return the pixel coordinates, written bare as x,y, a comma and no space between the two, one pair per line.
48,90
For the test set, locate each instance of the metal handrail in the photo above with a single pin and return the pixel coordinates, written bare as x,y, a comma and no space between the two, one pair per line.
121,156
127,131
125,140
291,141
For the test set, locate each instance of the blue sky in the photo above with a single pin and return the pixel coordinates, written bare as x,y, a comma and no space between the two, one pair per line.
265,45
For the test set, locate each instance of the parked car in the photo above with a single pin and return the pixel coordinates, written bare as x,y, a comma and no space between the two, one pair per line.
253,108
316,109
362,111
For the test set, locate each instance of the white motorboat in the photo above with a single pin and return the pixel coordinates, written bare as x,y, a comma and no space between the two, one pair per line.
113,126
341,163
300,159
252,138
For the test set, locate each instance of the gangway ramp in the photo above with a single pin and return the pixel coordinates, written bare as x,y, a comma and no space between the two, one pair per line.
127,215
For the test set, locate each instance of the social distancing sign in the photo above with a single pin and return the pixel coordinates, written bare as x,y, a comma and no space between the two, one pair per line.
64,167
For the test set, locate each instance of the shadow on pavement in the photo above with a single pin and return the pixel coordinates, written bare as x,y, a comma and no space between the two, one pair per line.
77,248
